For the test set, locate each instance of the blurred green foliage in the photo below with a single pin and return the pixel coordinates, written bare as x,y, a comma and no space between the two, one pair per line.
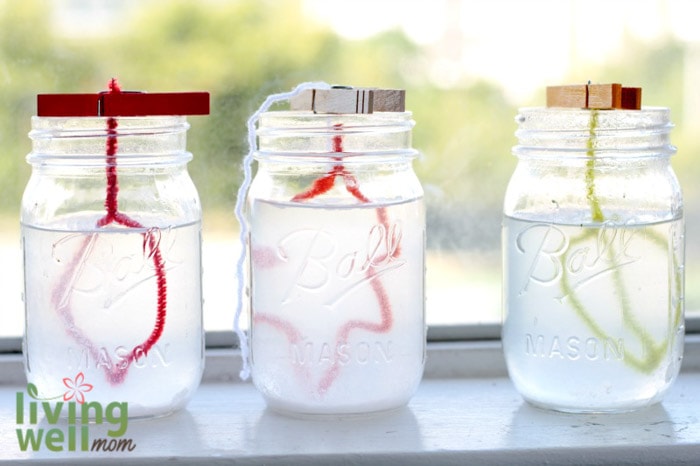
239,51
243,50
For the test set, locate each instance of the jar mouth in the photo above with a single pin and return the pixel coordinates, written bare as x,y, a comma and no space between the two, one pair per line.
73,127
83,139
575,119
303,133
600,133
309,122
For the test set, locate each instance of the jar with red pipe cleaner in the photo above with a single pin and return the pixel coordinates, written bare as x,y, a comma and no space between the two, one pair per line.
111,232
337,255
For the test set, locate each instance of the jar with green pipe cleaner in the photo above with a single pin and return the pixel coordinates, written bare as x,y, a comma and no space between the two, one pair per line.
593,241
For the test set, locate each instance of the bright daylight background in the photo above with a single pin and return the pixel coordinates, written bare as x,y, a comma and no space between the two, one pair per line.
467,66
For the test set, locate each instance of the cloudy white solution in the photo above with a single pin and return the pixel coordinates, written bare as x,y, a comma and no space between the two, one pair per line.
92,302
337,305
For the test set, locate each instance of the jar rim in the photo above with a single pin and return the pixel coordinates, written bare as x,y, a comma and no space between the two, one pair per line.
323,122
556,119
68,127
584,133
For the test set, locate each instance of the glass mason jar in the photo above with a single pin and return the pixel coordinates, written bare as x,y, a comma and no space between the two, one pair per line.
111,232
337,250
593,260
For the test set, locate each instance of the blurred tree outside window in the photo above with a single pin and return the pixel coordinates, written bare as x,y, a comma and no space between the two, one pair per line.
465,67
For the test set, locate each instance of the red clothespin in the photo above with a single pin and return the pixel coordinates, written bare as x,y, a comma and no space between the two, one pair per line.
123,104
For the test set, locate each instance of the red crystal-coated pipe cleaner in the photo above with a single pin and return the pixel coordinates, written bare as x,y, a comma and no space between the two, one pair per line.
61,297
319,187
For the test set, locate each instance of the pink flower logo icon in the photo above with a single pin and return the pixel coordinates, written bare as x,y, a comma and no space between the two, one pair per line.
76,387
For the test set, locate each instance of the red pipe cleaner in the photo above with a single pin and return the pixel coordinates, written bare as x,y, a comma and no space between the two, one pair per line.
321,186
61,296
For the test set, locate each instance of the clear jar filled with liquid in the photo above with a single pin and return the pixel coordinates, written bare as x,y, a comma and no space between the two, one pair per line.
111,233
593,242
337,259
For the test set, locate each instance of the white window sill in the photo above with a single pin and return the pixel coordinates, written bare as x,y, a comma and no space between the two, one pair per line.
465,411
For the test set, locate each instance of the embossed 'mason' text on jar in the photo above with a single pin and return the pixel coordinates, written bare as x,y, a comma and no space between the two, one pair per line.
337,261
593,243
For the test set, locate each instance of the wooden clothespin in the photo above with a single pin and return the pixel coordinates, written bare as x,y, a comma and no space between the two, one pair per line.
342,99
595,96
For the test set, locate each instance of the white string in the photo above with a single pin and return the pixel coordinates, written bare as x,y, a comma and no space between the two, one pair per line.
240,207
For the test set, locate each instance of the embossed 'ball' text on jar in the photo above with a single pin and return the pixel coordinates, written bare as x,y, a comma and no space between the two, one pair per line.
337,251
593,243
